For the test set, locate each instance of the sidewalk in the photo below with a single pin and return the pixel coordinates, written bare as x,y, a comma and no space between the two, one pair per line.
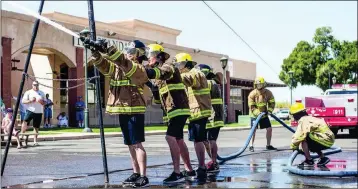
74,136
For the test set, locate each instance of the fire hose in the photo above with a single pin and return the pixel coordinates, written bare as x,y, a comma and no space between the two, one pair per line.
293,169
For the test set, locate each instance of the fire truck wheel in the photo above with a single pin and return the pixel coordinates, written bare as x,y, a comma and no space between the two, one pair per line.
353,132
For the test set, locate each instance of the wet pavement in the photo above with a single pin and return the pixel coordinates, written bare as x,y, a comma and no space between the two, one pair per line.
78,164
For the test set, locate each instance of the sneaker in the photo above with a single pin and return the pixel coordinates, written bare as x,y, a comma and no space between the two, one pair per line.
201,173
251,148
213,168
131,179
307,163
142,181
323,161
174,177
189,175
269,147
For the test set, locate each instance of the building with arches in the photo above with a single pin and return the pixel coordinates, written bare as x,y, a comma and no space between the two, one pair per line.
58,55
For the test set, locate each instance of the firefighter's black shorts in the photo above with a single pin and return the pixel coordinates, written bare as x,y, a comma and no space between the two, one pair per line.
264,122
314,146
176,126
213,133
132,127
197,130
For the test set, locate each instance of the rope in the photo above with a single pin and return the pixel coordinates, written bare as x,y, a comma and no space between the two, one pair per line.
65,88
77,79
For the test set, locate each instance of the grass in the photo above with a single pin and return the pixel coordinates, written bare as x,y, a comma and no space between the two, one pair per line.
112,129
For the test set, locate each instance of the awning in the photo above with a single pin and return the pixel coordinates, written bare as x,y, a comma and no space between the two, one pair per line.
250,83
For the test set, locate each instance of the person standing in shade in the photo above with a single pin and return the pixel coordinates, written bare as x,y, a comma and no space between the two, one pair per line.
34,99
80,107
48,112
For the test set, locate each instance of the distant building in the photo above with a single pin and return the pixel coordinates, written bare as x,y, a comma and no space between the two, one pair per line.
59,55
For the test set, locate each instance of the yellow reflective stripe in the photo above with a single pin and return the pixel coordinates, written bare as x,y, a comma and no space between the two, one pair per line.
165,119
96,62
134,109
157,73
272,100
169,87
217,101
269,109
323,142
256,112
198,92
178,112
260,104
131,72
110,71
252,103
218,123
115,55
200,114
209,84
157,101
210,124
140,90
118,83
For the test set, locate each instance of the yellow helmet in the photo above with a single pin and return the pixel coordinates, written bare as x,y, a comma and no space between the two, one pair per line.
181,57
183,60
259,83
153,50
297,107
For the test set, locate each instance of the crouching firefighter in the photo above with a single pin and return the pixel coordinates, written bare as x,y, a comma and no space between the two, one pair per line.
261,100
200,106
125,97
312,133
216,120
173,98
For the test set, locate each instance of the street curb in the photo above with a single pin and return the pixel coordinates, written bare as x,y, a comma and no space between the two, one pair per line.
109,135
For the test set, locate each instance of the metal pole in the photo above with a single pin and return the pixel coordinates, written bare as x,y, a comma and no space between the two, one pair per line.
92,26
224,109
27,63
86,129
329,80
291,89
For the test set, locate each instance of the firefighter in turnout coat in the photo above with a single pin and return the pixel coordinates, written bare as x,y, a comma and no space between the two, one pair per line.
173,98
125,97
215,122
261,100
199,103
312,133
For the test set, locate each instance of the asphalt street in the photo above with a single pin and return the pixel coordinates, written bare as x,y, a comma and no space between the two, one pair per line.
78,164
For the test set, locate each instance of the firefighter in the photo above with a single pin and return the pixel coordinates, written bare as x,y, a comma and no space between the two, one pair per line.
174,101
261,100
200,106
125,97
215,122
312,133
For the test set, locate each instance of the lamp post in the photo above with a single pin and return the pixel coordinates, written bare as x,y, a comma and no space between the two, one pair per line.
224,61
85,33
334,80
290,73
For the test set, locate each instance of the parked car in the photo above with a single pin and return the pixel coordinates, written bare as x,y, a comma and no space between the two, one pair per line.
283,114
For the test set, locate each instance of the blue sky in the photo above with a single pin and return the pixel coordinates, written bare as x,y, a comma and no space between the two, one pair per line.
272,28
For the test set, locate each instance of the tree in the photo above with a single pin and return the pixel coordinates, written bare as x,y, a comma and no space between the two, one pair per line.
312,63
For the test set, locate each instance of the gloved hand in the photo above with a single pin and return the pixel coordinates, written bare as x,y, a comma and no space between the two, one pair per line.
100,45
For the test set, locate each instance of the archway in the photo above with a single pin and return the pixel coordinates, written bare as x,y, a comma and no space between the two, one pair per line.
46,63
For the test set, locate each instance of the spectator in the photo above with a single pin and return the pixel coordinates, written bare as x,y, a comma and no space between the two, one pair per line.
48,112
6,126
80,106
62,120
34,99
22,109
2,108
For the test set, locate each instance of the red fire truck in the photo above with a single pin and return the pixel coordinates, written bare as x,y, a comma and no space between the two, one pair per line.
337,106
